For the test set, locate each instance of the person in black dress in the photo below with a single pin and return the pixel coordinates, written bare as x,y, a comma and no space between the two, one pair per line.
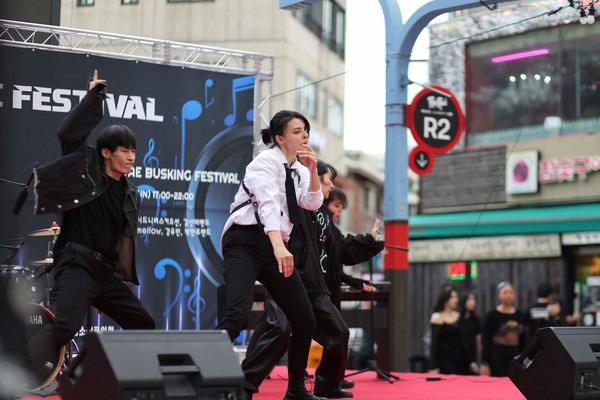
449,354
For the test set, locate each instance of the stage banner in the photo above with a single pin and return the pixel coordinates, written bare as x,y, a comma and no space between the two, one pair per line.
194,132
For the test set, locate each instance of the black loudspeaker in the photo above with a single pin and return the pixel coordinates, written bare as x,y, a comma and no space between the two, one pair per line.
156,365
559,363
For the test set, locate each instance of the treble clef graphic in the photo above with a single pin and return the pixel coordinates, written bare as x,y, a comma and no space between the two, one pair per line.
196,303
150,160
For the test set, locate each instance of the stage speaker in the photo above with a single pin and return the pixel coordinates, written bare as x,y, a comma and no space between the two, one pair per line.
559,363
156,365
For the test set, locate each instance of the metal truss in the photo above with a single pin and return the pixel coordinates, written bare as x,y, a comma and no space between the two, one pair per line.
186,55
60,38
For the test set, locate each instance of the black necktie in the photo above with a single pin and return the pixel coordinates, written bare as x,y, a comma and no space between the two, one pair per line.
290,194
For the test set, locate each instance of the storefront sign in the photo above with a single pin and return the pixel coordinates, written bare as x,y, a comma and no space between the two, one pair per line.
484,248
578,238
568,169
522,172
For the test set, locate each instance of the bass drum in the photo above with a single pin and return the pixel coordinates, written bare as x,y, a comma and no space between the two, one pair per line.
35,318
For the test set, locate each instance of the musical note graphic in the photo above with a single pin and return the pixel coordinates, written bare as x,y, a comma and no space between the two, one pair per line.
239,85
190,111
208,84
160,272
150,160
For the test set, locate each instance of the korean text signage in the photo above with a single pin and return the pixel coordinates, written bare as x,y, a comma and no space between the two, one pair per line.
436,122
485,248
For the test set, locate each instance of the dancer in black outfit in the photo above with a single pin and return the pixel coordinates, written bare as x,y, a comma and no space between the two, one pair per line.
258,238
98,208
346,249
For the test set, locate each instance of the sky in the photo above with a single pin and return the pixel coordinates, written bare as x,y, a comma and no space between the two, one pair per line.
364,101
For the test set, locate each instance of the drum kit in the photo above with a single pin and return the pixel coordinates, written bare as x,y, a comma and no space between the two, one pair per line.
19,281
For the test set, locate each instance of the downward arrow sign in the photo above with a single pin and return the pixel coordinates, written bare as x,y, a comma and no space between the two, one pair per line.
422,161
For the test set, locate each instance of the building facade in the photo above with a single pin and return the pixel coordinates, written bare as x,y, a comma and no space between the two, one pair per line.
308,46
518,199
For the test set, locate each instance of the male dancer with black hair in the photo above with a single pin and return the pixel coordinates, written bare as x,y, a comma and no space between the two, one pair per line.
98,208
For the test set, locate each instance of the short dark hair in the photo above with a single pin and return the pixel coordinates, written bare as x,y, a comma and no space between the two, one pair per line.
278,124
114,136
544,290
323,168
337,194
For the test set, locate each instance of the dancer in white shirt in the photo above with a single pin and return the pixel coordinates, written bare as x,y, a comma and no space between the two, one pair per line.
254,242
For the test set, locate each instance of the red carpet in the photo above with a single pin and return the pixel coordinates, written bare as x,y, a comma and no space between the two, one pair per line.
411,386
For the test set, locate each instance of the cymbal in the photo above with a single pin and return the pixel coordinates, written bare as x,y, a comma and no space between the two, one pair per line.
54,230
46,262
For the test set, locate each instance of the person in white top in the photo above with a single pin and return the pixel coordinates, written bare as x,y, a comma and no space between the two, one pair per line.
255,237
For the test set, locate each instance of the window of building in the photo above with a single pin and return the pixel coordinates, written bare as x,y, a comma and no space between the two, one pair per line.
326,19
323,107
546,78
130,1
306,96
85,3
335,117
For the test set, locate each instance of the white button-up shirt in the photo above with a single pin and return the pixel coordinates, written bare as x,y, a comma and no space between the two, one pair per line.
265,179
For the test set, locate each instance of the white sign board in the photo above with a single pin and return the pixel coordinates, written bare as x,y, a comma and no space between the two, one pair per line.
485,248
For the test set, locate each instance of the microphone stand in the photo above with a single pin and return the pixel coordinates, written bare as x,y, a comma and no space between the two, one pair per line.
372,363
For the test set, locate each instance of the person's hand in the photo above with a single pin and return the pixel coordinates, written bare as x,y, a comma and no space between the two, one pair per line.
434,371
367,287
95,81
474,367
285,260
375,229
485,369
308,157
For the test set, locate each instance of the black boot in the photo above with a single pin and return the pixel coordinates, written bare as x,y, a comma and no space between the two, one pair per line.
300,393
347,384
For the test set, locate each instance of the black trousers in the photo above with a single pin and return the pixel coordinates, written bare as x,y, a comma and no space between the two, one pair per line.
269,342
81,281
248,256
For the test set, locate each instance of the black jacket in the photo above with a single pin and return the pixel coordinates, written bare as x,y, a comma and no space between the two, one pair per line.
78,177
304,246
346,250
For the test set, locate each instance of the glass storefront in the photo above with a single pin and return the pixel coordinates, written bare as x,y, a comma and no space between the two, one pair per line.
547,78
588,282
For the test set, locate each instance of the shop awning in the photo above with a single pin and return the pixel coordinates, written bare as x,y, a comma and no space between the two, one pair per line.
554,219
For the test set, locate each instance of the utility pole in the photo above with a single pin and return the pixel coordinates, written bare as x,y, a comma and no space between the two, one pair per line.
400,38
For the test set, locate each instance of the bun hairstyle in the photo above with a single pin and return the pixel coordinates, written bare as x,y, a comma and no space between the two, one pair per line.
278,124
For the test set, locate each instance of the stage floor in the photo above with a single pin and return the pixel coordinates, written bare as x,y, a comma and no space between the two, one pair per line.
411,386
